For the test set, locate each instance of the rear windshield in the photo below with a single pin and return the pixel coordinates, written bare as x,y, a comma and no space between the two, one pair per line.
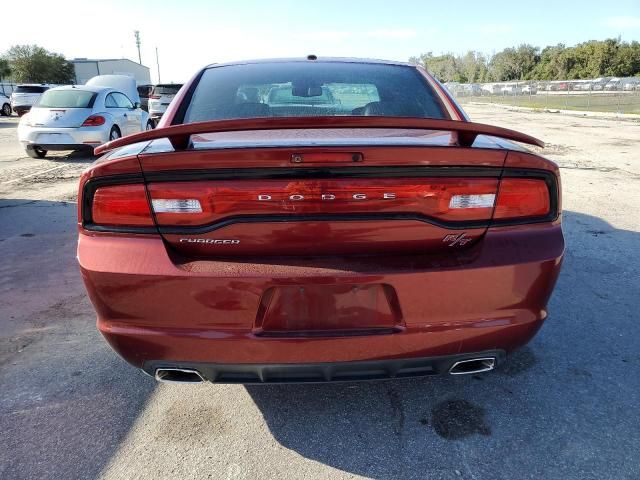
30,89
66,99
166,89
297,89
144,90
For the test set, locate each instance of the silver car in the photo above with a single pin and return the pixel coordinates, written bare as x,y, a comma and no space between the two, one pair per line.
80,118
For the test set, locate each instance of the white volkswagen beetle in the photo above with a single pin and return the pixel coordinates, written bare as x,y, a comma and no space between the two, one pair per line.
81,117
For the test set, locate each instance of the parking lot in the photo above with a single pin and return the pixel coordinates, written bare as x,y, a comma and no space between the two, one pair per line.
563,407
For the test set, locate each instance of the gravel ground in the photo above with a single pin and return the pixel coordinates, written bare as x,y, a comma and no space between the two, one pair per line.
565,407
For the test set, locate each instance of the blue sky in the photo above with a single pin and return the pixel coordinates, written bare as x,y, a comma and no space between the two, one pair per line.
192,33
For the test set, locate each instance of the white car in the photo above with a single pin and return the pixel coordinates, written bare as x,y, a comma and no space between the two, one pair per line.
25,96
81,117
582,86
472,89
492,88
160,98
5,105
510,89
613,84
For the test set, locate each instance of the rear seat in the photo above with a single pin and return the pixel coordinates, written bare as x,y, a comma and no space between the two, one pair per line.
392,109
246,109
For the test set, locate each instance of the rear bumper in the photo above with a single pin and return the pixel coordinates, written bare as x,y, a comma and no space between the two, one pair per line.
152,310
62,138
324,372
61,147
21,109
156,111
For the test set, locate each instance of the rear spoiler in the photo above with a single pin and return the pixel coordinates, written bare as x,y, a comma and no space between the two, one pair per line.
464,133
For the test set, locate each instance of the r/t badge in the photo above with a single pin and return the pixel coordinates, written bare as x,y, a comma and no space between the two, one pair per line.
454,239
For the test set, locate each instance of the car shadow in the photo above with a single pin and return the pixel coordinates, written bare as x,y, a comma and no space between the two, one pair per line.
66,400
75,156
538,413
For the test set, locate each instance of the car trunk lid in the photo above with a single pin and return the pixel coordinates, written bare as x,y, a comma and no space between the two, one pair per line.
322,192
58,117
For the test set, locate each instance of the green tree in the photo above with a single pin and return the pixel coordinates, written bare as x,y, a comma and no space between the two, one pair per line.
31,63
474,67
595,58
554,63
5,70
628,60
514,63
445,68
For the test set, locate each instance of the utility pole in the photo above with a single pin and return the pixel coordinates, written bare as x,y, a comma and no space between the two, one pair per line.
158,64
137,35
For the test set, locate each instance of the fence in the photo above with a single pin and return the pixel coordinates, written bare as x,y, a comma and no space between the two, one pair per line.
617,95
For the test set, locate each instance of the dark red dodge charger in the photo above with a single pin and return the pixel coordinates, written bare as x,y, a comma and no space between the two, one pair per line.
313,220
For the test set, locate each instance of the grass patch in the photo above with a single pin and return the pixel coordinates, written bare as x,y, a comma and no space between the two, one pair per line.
613,103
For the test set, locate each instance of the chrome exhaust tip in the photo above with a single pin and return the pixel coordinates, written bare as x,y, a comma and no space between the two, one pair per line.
473,365
178,375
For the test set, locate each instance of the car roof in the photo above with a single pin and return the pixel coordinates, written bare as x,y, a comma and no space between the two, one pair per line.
315,60
85,88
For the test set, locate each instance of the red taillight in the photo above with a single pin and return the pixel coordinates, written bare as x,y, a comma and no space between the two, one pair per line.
94,121
522,198
197,203
121,206
154,97
205,202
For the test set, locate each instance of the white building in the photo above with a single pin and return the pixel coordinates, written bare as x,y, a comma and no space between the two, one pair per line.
87,68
